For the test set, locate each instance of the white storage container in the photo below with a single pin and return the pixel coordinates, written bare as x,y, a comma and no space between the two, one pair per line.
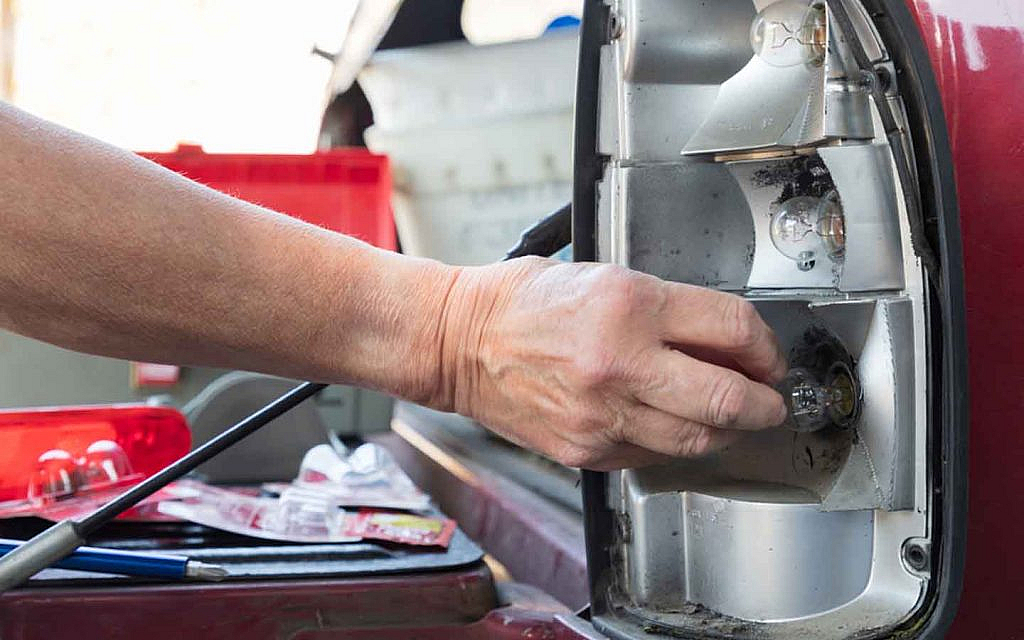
479,138
460,82
472,227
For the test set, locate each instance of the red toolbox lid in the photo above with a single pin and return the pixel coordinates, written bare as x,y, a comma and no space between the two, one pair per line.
344,190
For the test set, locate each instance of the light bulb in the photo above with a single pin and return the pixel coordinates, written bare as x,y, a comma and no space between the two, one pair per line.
804,228
55,477
104,461
813,404
788,33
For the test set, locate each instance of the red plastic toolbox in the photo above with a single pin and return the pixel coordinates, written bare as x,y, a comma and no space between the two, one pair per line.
345,190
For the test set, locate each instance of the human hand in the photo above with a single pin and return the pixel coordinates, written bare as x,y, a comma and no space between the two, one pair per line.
600,367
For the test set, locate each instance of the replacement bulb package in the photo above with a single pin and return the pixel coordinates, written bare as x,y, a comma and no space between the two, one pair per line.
300,515
293,517
401,527
366,477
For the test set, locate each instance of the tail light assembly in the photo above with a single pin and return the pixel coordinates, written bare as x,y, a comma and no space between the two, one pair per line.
792,152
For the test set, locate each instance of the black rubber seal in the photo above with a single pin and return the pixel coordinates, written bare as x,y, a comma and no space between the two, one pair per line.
588,167
588,164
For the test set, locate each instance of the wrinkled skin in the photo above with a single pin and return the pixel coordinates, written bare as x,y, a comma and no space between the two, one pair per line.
600,367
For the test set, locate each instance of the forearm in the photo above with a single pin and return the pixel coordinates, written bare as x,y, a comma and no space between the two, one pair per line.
103,252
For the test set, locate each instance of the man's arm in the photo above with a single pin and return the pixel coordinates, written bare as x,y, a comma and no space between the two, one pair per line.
104,252
107,253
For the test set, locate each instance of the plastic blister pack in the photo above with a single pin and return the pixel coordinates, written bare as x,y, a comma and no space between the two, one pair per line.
366,477
295,516
401,527
312,508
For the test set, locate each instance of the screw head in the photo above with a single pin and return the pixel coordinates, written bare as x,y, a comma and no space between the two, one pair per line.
615,26
917,554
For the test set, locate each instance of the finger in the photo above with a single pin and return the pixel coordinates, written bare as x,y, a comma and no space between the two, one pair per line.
699,317
712,356
608,456
628,456
708,394
677,437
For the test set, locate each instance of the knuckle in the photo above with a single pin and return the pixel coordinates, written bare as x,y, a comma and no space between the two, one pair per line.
727,399
626,289
525,267
694,441
606,272
534,261
745,324
691,439
572,455
619,288
595,367
579,423
701,442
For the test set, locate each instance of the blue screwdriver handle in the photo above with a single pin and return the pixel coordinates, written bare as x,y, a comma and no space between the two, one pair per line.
149,565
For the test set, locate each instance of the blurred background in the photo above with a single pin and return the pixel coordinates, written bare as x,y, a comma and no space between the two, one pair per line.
231,75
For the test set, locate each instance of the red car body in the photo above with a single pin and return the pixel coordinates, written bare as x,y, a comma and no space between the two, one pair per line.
977,50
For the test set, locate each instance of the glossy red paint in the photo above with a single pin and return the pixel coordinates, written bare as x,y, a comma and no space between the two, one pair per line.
270,610
526,614
452,605
977,51
508,623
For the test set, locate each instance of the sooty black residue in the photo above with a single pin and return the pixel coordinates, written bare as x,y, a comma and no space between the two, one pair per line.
801,176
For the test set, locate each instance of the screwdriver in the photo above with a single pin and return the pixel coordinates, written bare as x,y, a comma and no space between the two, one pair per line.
130,563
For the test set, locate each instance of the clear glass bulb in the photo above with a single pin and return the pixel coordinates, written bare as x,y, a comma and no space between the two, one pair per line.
804,228
55,477
104,461
814,404
788,33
